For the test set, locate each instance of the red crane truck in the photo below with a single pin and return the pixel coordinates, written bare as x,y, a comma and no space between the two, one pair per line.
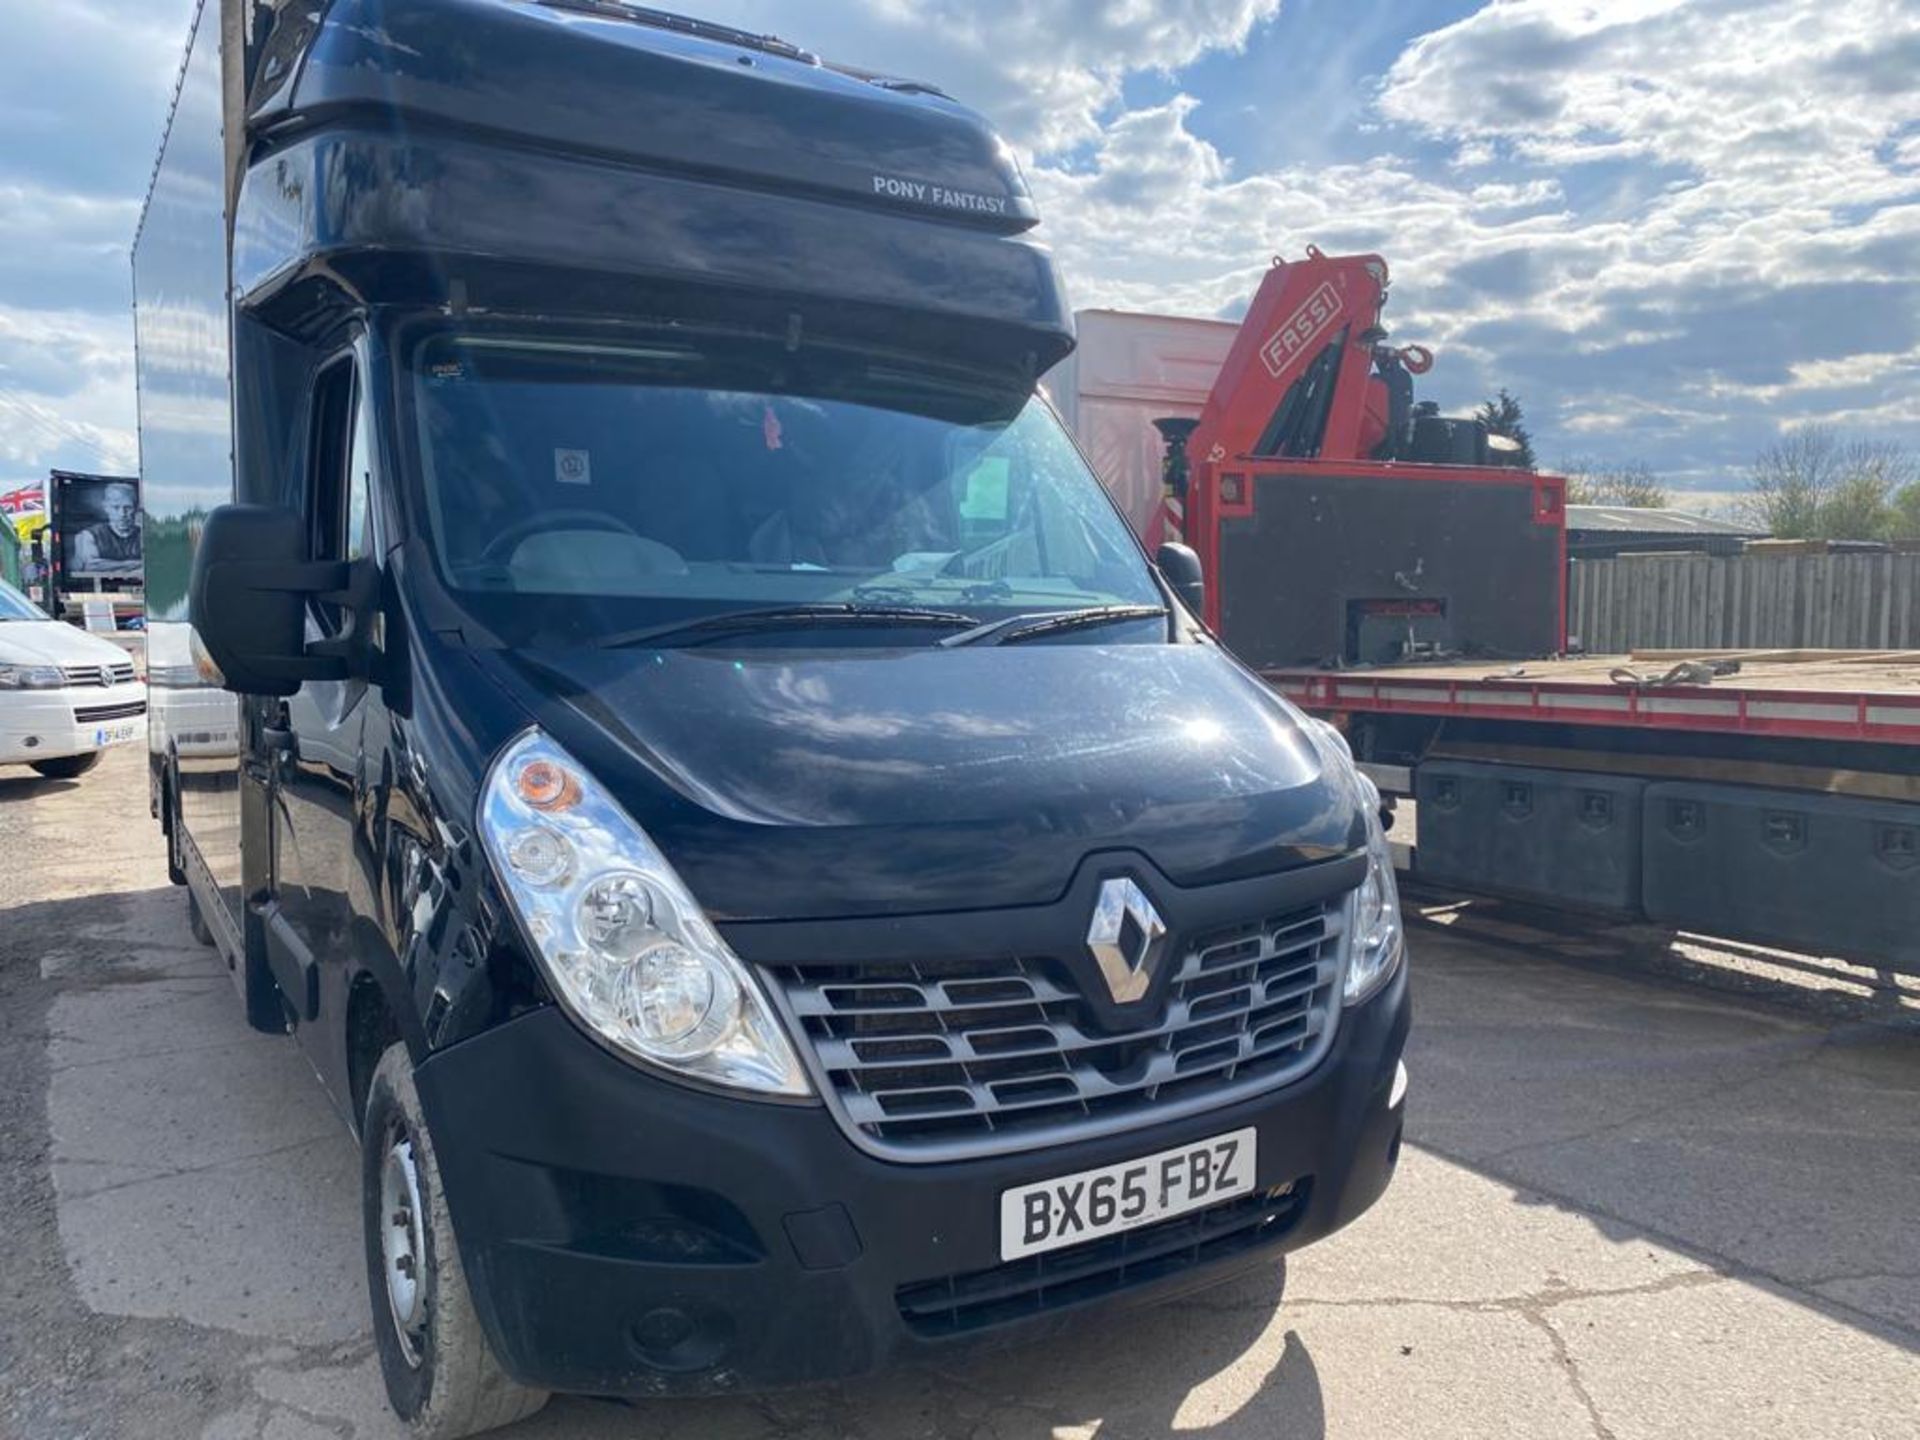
1402,574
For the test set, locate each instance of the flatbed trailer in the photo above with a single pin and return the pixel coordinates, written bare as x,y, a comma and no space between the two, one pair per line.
1870,696
1763,795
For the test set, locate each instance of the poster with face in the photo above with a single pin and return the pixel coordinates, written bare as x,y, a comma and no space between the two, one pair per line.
101,521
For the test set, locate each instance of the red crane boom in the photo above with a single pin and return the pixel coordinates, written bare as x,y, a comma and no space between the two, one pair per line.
1337,521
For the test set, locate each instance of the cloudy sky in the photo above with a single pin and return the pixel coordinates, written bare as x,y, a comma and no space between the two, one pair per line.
1672,226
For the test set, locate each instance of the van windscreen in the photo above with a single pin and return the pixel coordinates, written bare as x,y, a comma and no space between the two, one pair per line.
575,487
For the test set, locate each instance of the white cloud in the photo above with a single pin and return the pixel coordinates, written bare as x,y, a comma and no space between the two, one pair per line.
66,392
1768,103
1047,71
84,86
1668,223
1157,219
60,248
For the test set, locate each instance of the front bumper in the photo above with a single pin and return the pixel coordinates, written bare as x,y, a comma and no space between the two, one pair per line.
53,724
624,1235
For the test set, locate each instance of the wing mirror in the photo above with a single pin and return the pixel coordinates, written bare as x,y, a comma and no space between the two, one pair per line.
1181,567
248,600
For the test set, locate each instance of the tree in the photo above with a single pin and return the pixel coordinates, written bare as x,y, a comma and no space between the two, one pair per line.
1502,415
1810,484
1627,482
1858,507
1791,480
1906,513
1876,477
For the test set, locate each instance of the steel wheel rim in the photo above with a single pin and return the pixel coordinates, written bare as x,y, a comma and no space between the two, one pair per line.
403,1247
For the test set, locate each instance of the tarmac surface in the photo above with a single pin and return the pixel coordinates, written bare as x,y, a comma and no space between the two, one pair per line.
1650,1190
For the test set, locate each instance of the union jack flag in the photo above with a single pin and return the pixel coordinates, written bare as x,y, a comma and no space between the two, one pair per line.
28,500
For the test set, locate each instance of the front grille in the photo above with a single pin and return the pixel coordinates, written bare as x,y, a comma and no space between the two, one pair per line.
94,715
959,1304
930,1062
102,675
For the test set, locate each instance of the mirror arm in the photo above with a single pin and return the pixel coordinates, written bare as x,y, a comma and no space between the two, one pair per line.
359,585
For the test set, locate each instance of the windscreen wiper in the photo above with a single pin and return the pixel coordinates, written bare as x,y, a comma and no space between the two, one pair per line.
789,617
1016,628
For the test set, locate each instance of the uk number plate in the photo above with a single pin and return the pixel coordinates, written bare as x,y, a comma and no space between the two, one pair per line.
1095,1203
114,735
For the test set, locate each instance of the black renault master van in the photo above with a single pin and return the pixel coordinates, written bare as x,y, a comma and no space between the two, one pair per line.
776,879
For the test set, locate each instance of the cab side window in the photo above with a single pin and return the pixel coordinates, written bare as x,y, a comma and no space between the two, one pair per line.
359,539
341,477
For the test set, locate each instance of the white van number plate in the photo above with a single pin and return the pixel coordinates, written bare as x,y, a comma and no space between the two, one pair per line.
114,735
1115,1198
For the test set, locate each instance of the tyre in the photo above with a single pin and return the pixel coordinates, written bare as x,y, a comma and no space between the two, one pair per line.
67,767
197,920
442,1377
176,849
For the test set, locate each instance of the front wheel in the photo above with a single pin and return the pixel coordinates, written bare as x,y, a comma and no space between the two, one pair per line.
442,1377
67,767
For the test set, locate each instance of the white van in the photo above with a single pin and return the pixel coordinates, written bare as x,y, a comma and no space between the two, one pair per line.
65,695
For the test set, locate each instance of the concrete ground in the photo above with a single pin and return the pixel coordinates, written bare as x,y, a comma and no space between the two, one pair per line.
1650,1191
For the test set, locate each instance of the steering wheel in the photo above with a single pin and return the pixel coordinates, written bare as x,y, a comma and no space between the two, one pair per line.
503,544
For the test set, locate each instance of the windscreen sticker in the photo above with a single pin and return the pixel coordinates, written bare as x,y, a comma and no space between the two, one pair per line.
573,467
987,492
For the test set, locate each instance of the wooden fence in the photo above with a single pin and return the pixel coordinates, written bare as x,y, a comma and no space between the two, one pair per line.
1677,602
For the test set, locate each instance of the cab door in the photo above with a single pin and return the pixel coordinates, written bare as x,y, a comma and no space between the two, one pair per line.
316,745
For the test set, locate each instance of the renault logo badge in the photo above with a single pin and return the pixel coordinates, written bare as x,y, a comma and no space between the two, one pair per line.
1127,937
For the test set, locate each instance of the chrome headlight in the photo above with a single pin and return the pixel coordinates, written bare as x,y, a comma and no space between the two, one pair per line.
1376,936
31,677
627,948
